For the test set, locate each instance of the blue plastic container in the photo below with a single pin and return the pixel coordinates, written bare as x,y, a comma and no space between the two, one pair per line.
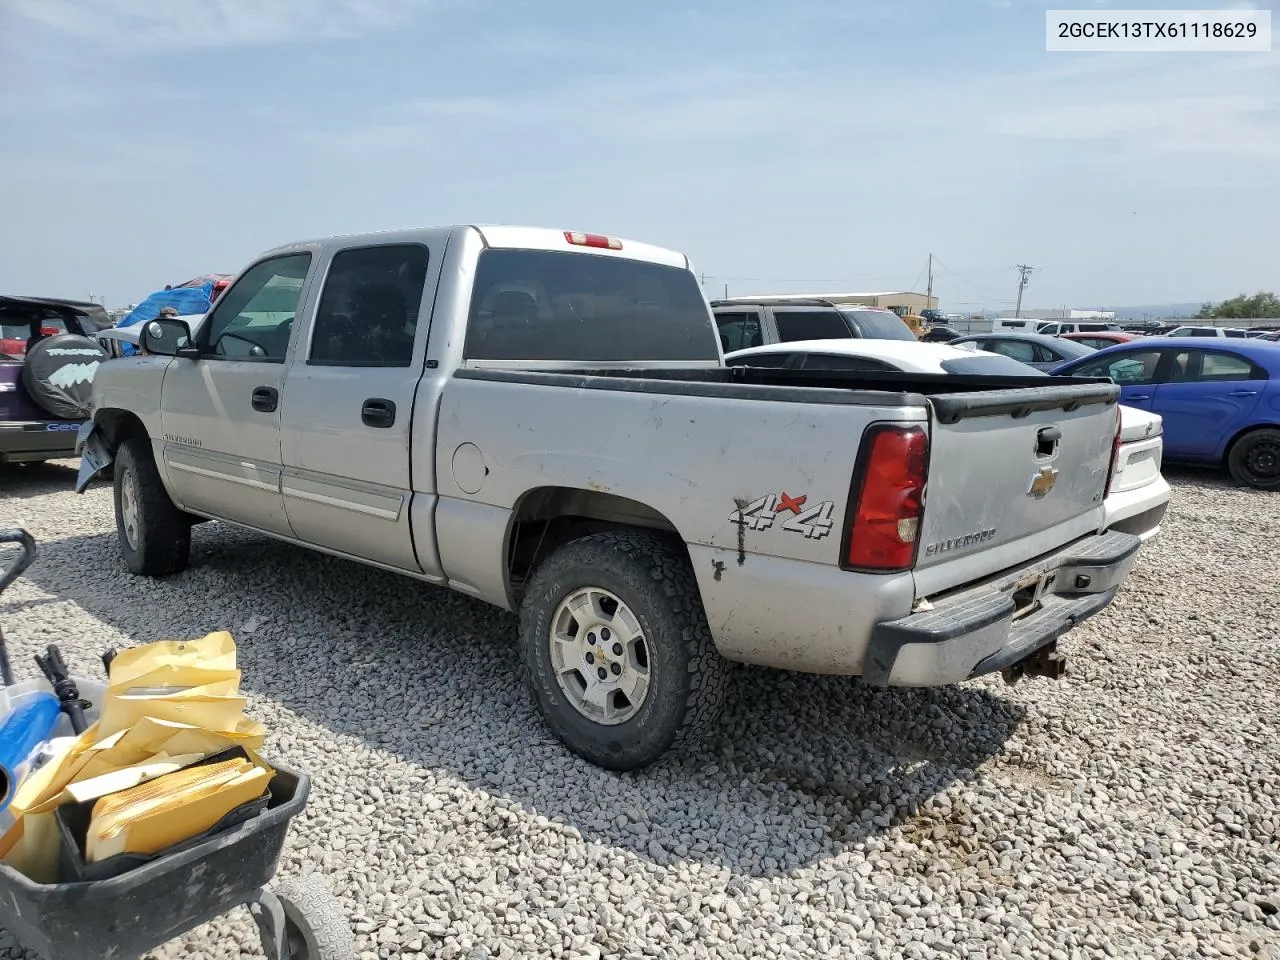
22,731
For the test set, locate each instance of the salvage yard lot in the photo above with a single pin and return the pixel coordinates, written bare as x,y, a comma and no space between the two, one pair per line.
1131,811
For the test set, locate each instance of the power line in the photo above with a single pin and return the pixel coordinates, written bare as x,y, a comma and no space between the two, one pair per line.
970,283
916,282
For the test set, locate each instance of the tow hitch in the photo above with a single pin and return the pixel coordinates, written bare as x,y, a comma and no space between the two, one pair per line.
1045,662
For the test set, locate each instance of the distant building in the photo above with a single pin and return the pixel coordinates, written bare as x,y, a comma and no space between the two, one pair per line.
1102,316
899,302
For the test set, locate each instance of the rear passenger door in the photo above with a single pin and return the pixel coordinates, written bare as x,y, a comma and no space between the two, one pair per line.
348,401
1205,396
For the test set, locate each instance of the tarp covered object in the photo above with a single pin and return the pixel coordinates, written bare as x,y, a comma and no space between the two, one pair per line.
186,300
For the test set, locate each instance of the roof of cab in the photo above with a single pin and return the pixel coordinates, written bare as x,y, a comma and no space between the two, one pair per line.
505,237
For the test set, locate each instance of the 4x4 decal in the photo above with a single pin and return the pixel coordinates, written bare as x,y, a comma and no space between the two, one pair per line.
814,522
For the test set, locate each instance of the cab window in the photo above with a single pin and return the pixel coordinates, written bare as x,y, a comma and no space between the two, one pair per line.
738,331
253,319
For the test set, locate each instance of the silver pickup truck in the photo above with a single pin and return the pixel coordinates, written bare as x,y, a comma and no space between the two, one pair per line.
543,420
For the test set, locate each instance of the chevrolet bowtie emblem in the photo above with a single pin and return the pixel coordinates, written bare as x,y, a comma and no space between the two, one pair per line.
1042,482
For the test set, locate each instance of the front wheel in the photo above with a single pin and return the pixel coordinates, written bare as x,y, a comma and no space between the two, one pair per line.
1255,460
154,535
617,649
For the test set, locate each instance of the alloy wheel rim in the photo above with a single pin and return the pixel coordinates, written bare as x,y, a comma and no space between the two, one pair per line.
129,508
600,656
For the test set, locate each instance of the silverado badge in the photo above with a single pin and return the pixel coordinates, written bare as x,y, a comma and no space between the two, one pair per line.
1042,482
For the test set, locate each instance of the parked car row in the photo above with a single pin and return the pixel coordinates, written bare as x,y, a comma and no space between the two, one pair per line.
1218,399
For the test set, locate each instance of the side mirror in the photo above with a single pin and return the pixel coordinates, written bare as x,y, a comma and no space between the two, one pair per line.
169,338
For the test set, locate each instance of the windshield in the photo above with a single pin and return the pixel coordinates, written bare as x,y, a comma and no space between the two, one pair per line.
880,324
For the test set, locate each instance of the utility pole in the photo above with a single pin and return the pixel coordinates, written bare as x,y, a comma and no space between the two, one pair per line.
726,290
1024,274
928,296
703,277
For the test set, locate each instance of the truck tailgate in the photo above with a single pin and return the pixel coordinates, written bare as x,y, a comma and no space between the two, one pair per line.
1013,474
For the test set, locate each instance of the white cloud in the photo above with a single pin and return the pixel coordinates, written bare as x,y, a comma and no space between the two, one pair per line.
1156,107
189,23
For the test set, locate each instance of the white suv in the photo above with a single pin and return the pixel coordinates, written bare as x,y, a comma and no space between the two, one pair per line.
1208,332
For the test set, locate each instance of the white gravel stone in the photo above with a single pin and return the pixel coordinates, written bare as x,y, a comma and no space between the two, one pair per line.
1128,811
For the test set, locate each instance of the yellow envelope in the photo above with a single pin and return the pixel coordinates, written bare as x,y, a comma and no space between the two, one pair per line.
30,846
48,782
171,679
211,707
158,815
128,747
217,651
123,779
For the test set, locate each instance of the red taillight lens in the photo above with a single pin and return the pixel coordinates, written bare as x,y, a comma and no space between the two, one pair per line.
888,504
1115,451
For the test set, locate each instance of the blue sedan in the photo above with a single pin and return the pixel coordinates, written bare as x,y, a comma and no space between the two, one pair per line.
1220,400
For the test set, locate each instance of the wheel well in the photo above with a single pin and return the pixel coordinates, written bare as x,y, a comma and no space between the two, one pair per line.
549,517
1240,435
119,425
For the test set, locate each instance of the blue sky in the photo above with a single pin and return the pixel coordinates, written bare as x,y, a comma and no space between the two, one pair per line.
816,145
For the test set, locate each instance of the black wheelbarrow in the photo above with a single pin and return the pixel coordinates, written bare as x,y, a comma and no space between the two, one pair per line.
168,895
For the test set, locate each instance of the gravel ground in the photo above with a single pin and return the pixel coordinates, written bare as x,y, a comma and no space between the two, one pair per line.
1130,811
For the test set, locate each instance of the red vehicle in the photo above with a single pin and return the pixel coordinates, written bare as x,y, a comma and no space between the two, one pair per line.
220,282
1099,339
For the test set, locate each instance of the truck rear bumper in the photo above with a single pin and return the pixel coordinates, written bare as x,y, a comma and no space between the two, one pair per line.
1004,621
28,440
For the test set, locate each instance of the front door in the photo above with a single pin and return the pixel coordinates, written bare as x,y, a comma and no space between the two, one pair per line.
348,404
1205,396
221,413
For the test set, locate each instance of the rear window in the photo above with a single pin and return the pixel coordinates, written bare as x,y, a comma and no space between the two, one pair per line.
880,324
990,365
589,308
820,324
21,331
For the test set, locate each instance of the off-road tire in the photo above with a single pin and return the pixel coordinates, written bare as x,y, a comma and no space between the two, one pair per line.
1238,459
163,537
652,575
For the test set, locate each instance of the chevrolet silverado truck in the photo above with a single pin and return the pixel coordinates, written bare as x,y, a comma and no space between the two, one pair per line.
543,420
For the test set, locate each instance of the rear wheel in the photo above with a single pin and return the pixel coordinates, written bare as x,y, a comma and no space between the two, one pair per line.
617,649
154,535
1254,459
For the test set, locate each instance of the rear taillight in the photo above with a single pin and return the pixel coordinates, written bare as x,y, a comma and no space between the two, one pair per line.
888,500
1115,452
